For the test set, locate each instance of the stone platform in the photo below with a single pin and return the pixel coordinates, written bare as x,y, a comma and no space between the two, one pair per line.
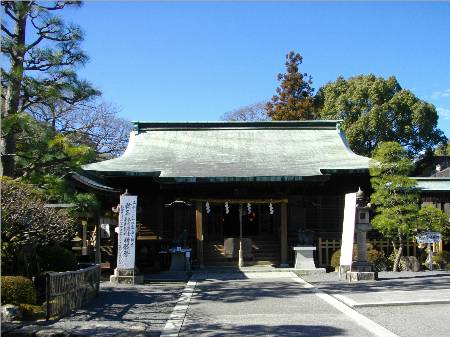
126,276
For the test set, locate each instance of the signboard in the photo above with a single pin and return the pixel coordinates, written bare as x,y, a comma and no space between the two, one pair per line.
127,232
428,237
348,230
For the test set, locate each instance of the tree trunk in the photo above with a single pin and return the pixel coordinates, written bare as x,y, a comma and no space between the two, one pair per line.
398,255
14,89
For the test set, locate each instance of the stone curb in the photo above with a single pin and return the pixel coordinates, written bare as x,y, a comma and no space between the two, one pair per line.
353,304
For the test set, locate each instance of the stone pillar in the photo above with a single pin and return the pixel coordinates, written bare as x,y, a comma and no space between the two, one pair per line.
283,236
84,248
199,232
362,269
361,244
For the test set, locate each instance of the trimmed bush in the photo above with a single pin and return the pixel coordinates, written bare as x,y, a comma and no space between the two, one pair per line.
32,312
373,255
442,259
17,290
57,258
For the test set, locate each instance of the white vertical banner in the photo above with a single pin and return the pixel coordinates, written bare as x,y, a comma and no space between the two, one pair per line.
127,232
348,230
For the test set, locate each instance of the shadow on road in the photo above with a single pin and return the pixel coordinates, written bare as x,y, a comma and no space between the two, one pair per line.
197,325
236,290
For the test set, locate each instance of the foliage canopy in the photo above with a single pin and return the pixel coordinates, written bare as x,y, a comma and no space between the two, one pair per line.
375,110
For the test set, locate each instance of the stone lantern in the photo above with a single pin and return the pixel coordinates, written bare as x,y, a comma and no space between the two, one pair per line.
361,268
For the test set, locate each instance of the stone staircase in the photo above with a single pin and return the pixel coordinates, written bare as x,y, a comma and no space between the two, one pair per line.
266,251
214,255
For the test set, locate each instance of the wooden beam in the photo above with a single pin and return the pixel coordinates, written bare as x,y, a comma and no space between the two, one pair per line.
283,236
243,201
199,232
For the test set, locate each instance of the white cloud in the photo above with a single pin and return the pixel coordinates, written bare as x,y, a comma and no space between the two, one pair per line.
443,112
440,94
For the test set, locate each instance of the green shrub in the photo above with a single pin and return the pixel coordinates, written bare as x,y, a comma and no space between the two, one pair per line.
442,259
17,290
57,258
32,312
373,255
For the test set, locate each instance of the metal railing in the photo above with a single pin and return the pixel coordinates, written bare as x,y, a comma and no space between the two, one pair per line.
70,290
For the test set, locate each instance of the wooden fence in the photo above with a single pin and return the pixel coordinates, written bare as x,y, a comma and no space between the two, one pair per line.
326,248
70,290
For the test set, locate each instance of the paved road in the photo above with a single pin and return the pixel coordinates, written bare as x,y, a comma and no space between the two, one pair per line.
271,304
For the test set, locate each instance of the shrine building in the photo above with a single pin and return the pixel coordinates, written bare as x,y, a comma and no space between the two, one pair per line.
207,182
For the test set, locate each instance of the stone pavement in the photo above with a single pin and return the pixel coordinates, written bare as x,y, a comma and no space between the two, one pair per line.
125,310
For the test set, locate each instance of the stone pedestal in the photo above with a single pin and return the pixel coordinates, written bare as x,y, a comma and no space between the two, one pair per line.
179,260
304,257
343,272
355,276
126,276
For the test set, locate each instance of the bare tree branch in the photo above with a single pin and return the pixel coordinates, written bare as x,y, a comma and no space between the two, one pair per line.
7,8
6,30
253,112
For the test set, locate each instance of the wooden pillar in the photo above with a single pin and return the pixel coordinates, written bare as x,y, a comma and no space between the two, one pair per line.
98,248
283,236
158,225
199,232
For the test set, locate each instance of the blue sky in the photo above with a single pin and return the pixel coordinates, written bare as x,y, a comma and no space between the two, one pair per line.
196,61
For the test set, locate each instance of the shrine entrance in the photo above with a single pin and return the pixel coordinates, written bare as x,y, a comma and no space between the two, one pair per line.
255,228
258,222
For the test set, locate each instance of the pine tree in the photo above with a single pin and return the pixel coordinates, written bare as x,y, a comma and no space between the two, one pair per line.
43,52
293,100
395,196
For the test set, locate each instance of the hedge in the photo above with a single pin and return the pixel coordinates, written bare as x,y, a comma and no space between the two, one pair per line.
17,290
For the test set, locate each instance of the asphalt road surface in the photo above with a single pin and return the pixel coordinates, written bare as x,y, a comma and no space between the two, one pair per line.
273,304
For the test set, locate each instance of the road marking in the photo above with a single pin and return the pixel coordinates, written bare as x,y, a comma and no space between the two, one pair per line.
361,320
176,319
346,300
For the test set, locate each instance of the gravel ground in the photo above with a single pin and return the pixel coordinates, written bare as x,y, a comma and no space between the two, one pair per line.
408,321
426,280
411,321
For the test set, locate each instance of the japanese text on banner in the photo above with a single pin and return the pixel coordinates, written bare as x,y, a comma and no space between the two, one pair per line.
127,232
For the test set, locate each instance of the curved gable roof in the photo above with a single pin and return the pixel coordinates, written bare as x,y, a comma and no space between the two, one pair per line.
234,150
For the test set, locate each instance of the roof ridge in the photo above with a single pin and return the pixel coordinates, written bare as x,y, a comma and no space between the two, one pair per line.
304,124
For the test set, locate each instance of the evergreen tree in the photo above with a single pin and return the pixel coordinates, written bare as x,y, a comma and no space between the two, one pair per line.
375,110
293,100
395,197
43,52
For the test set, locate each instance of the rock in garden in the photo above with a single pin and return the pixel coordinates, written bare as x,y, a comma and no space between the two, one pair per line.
10,313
